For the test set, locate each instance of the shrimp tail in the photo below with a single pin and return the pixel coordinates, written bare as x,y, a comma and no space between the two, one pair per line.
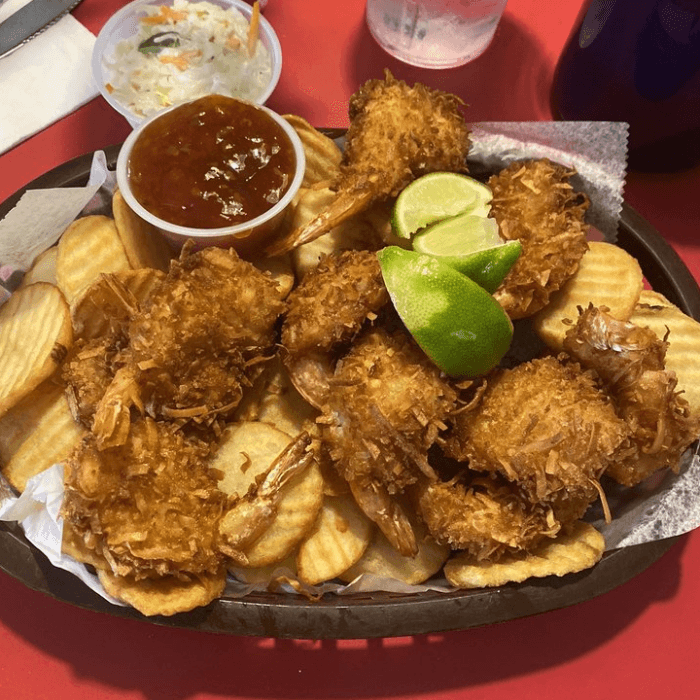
251,516
345,204
387,513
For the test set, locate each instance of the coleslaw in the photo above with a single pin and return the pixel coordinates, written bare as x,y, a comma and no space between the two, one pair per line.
185,51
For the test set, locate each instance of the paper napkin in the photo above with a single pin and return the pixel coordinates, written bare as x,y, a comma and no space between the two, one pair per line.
45,79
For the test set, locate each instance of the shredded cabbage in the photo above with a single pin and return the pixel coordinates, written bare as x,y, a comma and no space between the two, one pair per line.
212,57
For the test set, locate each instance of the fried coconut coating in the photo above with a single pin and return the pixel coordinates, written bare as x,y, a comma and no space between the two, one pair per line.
383,388
397,133
333,301
88,371
148,508
198,340
484,516
386,407
534,202
547,426
630,360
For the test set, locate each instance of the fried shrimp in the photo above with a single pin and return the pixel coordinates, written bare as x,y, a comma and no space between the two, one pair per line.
534,202
386,407
382,403
333,301
193,346
484,516
547,426
397,133
328,308
149,507
630,360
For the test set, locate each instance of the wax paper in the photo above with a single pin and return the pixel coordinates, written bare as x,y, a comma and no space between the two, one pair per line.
40,217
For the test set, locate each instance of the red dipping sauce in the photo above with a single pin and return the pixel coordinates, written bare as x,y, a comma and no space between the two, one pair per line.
211,163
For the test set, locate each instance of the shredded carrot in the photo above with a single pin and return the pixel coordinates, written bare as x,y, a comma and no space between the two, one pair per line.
109,87
254,28
182,60
164,15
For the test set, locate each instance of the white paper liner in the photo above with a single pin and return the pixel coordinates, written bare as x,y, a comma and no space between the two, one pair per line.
665,507
40,217
37,510
653,511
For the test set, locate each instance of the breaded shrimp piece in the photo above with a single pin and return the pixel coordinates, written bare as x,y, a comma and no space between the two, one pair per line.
545,425
328,308
150,507
382,404
630,360
534,202
198,340
333,301
485,516
386,407
397,133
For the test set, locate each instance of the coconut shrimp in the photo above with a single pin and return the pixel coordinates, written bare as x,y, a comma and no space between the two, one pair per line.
149,507
547,426
534,202
327,310
630,361
486,516
387,405
198,340
397,133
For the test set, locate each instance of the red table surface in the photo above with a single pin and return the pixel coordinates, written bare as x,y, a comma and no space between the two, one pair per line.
639,640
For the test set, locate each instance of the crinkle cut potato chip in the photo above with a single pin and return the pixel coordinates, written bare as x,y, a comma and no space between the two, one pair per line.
381,559
568,553
337,540
657,313
87,248
607,276
143,243
246,453
322,153
35,334
43,268
273,399
167,595
36,433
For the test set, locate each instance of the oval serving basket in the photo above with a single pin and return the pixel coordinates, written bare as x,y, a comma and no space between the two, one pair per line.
377,614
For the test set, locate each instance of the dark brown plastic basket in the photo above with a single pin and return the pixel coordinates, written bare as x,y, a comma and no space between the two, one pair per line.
378,614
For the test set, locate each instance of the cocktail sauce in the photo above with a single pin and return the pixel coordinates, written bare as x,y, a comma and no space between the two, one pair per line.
211,163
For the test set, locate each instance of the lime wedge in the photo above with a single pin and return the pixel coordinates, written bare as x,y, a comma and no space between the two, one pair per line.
457,323
434,197
458,235
481,209
488,267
